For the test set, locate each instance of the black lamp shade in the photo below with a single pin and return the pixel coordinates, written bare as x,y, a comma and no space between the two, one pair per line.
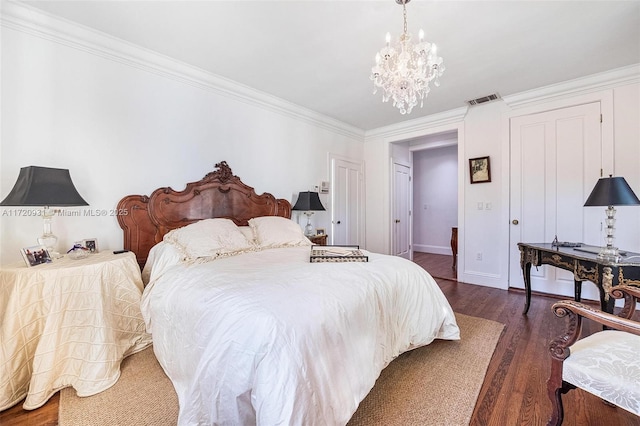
308,201
612,191
44,187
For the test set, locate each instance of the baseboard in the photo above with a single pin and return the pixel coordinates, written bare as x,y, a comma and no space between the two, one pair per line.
423,248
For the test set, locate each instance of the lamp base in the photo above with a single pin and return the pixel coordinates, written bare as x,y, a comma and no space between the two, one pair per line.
308,229
48,239
610,254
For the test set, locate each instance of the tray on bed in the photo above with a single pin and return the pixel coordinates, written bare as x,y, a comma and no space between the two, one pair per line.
337,254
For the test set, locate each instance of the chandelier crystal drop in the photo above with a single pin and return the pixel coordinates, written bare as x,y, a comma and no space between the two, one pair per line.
404,69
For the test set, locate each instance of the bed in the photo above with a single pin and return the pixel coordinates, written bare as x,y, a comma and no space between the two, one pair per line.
247,329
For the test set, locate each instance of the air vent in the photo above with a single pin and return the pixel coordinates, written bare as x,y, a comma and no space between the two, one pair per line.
484,99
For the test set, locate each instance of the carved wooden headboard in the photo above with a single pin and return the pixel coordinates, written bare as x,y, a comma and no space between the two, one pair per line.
218,194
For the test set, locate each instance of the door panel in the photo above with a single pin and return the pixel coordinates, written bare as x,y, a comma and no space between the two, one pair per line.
556,158
401,211
346,201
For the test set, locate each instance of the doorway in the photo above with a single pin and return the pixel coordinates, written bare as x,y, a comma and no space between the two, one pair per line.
433,193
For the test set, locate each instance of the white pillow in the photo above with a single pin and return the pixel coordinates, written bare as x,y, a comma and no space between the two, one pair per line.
276,231
247,231
161,257
209,238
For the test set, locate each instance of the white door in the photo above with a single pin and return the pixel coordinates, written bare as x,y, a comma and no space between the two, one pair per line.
401,226
346,201
556,159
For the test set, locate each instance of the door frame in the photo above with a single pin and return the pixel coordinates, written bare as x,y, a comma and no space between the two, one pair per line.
605,97
455,126
331,159
409,166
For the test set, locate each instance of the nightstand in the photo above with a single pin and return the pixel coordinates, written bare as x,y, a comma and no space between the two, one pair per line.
71,323
320,240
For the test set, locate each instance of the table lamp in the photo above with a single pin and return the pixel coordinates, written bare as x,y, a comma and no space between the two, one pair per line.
611,191
44,187
308,202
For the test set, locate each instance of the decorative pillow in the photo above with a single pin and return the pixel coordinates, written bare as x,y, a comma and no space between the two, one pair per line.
276,231
209,238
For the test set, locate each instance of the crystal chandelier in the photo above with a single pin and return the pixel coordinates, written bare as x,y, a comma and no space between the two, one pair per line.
405,69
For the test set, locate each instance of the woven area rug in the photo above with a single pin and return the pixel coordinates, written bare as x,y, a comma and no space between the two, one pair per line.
434,385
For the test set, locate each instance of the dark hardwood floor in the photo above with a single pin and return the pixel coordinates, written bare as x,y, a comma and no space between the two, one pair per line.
514,390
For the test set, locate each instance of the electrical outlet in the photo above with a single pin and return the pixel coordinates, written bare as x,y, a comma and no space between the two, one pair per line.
480,205
487,206
479,256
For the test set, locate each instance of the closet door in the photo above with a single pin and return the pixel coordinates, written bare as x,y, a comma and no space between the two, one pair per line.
346,180
556,159
401,226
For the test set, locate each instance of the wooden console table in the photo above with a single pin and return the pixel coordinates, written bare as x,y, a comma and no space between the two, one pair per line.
585,267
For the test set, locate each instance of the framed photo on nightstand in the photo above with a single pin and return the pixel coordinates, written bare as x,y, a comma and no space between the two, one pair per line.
35,255
91,244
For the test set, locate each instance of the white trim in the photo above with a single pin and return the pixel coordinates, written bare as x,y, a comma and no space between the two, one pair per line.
29,20
419,127
425,248
580,86
482,278
433,145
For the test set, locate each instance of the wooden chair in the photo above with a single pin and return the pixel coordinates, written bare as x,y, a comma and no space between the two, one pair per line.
606,363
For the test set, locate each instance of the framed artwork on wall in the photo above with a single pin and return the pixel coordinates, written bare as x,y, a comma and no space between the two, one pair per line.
480,169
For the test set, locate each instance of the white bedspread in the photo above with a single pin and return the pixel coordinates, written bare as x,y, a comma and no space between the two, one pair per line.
268,338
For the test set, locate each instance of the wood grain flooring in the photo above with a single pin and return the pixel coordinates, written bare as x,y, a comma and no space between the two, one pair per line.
514,390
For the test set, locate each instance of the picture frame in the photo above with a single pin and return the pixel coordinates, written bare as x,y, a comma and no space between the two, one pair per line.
35,255
480,169
90,244
320,231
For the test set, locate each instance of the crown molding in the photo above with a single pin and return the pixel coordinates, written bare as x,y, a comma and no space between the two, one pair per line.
579,86
35,22
418,126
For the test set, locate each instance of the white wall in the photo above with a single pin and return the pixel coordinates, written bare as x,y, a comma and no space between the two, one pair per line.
627,161
123,126
435,198
484,130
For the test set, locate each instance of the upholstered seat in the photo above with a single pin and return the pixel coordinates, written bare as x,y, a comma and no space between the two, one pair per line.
606,363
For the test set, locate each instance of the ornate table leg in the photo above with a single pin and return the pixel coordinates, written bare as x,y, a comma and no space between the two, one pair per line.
526,273
578,290
527,257
606,303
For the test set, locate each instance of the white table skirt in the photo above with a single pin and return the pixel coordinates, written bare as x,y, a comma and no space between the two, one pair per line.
68,323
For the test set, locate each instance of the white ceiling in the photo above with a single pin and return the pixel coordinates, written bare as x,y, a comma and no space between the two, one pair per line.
318,54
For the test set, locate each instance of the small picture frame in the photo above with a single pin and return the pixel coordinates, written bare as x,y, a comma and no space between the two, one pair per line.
320,231
35,255
90,244
480,169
